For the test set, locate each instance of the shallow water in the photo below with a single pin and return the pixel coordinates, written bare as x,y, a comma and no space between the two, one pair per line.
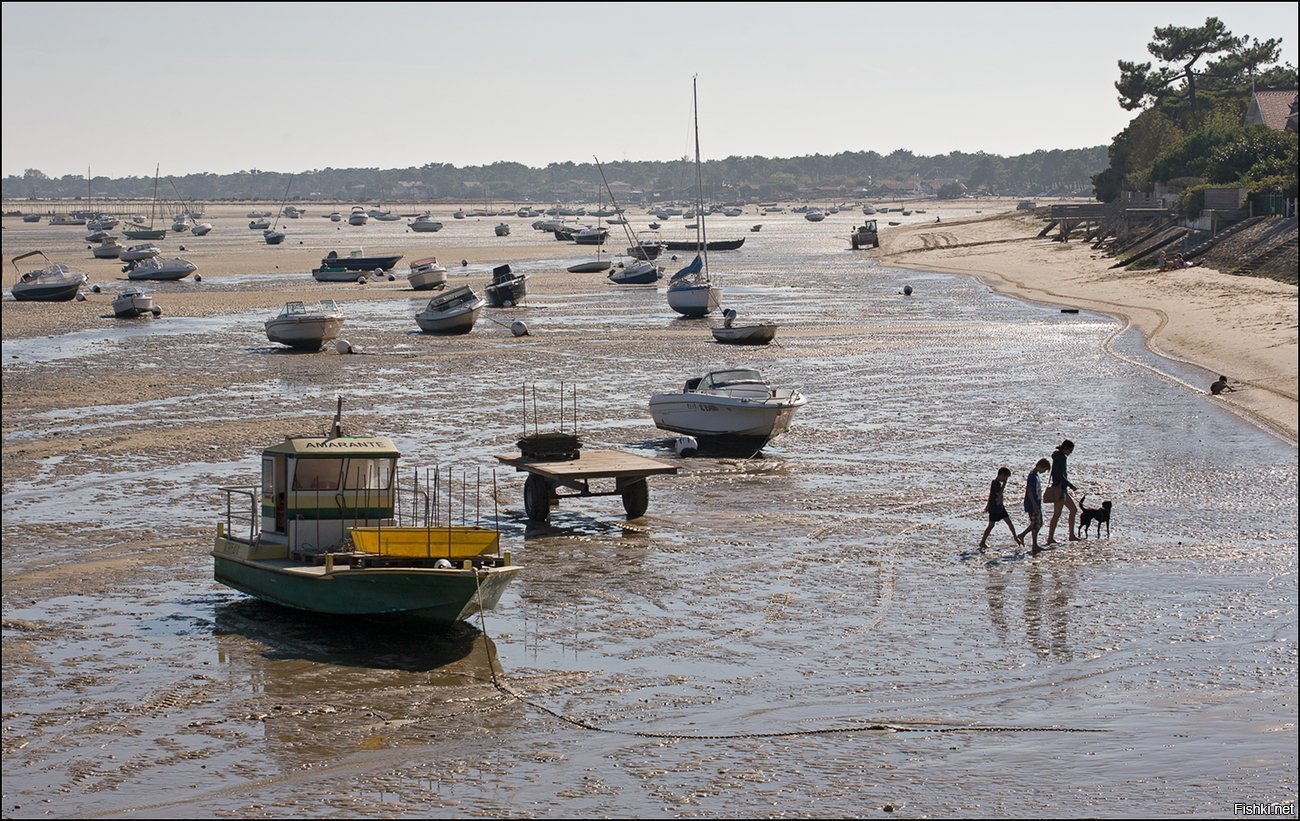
804,634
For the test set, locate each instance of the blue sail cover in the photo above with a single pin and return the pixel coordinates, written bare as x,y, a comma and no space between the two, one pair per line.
690,270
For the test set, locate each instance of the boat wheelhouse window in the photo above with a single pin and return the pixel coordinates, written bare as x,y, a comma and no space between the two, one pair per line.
368,474
317,474
268,474
718,379
328,305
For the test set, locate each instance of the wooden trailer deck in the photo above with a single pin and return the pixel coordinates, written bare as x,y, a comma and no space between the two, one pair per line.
546,476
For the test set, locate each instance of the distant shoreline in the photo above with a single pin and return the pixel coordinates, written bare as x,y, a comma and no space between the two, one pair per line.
1241,327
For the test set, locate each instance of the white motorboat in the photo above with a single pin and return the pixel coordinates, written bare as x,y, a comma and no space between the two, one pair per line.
453,312
201,229
108,248
260,224
56,282
732,410
731,334
507,289
425,223
358,216
335,216
134,302
304,328
156,268
639,272
868,209
814,216
426,274
139,252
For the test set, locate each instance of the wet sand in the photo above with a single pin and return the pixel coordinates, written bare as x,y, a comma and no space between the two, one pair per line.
806,634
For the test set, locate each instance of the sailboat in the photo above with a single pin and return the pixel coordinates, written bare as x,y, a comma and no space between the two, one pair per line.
273,235
692,291
640,271
138,231
599,263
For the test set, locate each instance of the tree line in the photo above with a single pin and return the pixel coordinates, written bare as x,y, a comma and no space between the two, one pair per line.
819,176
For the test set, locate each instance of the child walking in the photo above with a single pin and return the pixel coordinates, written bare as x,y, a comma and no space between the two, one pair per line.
997,510
1034,503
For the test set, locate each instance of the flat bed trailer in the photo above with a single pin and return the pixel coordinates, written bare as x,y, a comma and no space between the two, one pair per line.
546,476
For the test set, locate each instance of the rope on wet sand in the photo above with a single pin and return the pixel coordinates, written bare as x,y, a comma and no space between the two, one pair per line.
875,727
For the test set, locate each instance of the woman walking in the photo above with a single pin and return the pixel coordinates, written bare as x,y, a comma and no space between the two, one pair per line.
1058,493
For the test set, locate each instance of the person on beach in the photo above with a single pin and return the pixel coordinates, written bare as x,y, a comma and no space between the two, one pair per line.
997,510
1058,493
1034,503
1221,386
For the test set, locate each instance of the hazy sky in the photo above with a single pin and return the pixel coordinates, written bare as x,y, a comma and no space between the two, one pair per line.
220,87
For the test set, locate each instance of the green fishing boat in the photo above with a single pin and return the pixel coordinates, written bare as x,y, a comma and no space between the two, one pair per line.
321,534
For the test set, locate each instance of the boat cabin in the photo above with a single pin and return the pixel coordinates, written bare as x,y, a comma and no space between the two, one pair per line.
315,488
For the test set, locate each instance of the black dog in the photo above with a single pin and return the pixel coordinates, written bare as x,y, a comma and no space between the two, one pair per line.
1088,516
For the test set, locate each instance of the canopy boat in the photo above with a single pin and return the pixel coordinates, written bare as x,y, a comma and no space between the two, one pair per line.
731,334
692,291
138,252
56,282
358,216
732,410
425,223
304,328
507,289
426,274
357,260
134,302
321,534
453,312
108,248
161,269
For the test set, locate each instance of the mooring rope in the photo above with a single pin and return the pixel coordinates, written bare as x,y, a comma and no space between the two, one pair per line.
874,727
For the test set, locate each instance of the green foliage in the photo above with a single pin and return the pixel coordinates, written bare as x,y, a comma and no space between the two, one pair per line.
1253,152
1191,202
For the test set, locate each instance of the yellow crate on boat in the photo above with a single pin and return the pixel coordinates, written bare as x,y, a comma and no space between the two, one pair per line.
419,542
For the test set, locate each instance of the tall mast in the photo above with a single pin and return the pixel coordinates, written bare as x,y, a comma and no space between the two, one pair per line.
701,236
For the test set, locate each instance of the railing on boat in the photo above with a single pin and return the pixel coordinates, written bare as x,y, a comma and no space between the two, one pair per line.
249,519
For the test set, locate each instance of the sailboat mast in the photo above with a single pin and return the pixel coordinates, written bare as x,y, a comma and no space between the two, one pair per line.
701,236
153,205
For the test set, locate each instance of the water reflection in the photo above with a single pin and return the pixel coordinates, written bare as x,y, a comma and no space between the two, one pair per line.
284,634
1049,589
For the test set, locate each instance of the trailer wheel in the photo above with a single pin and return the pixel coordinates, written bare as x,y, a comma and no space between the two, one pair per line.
636,498
537,499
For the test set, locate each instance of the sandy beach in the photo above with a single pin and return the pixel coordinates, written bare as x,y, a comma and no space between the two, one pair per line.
1240,327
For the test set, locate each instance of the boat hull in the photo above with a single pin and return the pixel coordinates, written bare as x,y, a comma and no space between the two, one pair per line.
595,266
163,272
720,245
145,234
360,263
440,597
460,321
694,300
427,280
723,423
129,306
745,334
60,292
304,334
